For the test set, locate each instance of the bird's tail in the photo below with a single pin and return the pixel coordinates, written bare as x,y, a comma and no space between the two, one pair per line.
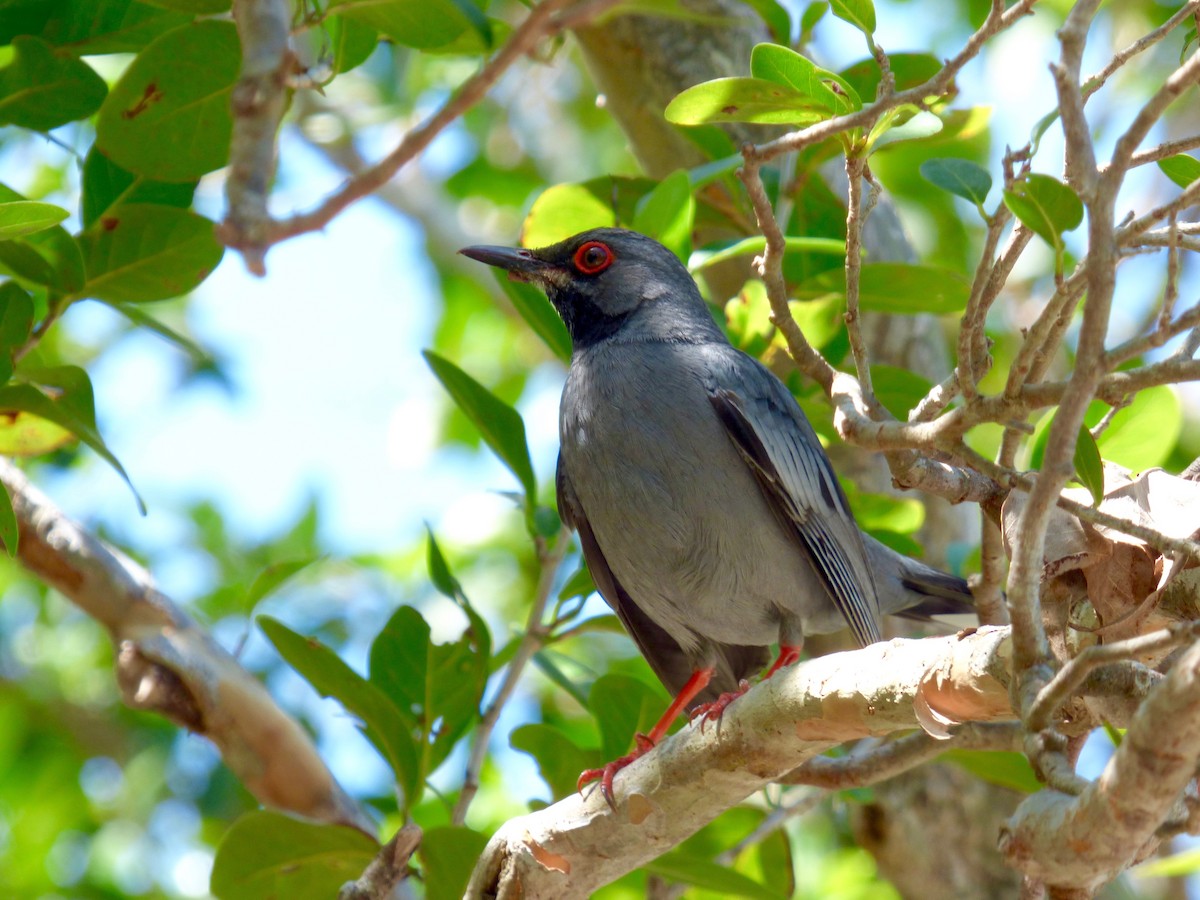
912,589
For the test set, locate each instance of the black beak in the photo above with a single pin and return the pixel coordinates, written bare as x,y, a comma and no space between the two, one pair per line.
521,264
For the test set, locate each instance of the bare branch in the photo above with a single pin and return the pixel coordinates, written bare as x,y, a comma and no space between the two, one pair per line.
168,665
1082,842
389,867
855,165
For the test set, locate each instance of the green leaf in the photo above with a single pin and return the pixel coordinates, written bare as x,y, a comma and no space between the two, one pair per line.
667,212
1176,865
499,424
908,70
579,584
1181,168
1046,206
898,389
536,310
748,319
197,7
106,185
744,100
1003,767
775,17
883,512
168,117
1089,468
61,395
960,177
49,257
351,42
690,869
622,706
140,252
10,531
785,66
559,759
859,13
424,24
822,319
561,211
380,720
268,854
438,687
271,578
91,27
895,288
1144,433
21,217
718,253
812,15
43,88
544,661
16,322
439,570
447,855
922,124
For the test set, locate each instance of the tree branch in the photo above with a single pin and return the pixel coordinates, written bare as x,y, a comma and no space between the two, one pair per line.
579,844
168,665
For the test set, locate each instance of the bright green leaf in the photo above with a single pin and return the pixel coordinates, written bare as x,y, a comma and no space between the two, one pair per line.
561,211
380,720
960,177
16,321
351,42
49,257
821,318
718,253
908,70
196,7
1177,865
446,855
784,66
1144,433
22,217
268,854
43,88
1089,468
748,319
439,570
859,13
10,531
1003,767
272,577
140,252
1181,168
415,23
895,288
106,185
743,100
536,310
812,15
775,17
499,424
92,27
622,706
168,117
1046,206
544,661
667,212
579,584
922,124
559,759
61,395
884,512
689,869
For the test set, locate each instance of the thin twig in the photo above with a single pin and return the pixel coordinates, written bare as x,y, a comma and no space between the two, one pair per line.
854,224
531,642
389,867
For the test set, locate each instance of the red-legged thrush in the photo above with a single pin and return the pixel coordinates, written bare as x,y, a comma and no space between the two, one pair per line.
710,517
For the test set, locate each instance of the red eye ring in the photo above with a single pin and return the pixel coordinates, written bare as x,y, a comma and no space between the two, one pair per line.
593,257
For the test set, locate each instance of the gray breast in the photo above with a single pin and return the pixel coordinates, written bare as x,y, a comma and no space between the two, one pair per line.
675,510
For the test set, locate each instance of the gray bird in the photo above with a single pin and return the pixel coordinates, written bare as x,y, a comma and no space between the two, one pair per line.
710,517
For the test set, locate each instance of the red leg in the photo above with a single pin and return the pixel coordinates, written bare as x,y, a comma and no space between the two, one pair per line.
645,742
712,712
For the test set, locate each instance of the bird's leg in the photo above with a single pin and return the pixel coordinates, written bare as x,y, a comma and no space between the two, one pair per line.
646,742
712,712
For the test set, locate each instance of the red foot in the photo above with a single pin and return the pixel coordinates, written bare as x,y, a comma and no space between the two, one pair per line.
712,712
609,772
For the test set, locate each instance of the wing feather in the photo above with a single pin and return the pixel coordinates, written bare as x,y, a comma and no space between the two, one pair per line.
799,484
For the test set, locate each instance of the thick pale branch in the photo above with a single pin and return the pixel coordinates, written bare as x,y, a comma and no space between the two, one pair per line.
578,844
169,665
1082,842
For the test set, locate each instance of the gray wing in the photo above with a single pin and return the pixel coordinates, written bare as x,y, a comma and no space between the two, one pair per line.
781,449
661,651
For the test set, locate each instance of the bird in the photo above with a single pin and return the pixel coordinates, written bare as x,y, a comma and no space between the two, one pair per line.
709,515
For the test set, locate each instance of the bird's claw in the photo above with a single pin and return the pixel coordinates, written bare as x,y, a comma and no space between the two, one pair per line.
712,712
608,772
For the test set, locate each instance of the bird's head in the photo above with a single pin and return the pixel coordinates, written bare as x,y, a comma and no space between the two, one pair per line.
608,282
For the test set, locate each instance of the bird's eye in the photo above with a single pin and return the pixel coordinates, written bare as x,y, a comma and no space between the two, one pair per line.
593,257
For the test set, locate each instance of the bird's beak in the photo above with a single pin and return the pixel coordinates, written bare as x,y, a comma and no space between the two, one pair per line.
522,265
